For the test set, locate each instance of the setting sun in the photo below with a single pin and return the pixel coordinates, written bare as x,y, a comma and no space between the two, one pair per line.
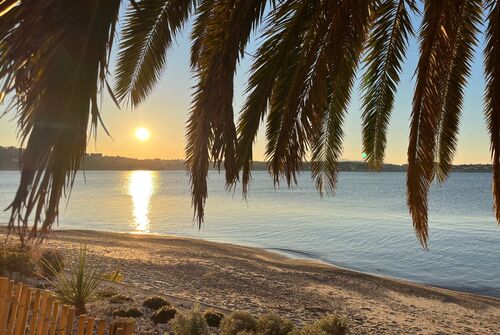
142,134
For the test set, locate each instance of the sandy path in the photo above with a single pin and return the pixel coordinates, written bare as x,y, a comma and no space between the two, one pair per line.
242,278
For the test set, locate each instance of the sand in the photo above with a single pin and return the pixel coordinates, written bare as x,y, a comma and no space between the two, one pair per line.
232,277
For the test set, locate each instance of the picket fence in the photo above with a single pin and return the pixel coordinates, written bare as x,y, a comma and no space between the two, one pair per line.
30,311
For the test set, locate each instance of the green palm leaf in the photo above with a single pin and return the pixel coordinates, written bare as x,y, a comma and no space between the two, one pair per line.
149,30
386,48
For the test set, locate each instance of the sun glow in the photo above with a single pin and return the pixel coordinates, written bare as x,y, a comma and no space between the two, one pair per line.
142,134
141,187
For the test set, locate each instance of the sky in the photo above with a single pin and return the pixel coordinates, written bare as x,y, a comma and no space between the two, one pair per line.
166,110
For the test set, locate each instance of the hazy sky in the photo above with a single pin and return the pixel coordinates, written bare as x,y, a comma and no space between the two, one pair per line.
166,110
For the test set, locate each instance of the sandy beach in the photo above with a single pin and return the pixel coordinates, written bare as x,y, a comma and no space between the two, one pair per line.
231,277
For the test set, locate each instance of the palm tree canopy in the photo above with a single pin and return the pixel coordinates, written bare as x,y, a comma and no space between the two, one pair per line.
299,86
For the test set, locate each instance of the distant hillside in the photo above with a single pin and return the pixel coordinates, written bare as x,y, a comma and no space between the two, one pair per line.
9,160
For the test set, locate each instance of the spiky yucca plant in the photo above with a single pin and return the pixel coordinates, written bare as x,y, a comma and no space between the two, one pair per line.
300,85
79,282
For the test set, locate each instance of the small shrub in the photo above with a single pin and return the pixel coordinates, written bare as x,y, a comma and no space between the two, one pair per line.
16,260
51,262
133,312
155,303
191,323
164,314
271,324
213,318
119,299
328,325
79,285
238,322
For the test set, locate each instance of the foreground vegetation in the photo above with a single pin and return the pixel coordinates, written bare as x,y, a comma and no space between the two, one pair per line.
77,280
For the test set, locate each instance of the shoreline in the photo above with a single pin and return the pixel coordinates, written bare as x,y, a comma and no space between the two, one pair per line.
294,255
234,277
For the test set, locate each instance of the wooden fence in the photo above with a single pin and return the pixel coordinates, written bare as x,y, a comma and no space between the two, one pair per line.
29,311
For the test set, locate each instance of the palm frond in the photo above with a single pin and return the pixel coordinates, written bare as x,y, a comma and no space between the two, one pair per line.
350,22
440,33
149,30
55,76
492,97
286,133
386,48
462,44
211,131
286,24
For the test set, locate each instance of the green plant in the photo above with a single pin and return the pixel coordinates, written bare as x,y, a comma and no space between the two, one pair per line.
328,325
133,312
213,317
155,303
164,314
50,261
79,284
271,324
237,322
16,260
190,323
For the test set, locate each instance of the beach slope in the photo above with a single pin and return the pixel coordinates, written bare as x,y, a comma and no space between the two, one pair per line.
232,277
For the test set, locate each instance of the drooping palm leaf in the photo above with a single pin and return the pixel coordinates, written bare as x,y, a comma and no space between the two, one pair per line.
492,96
55,75
386,48
350,22
211,131
149,30
442,31
462,45
286,25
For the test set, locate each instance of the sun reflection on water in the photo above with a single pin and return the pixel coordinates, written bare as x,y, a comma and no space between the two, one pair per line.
141,186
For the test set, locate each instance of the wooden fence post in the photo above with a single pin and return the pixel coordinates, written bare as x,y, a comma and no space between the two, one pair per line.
19,303
14,307
122,326
6,307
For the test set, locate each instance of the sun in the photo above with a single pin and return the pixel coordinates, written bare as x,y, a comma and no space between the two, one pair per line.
142,134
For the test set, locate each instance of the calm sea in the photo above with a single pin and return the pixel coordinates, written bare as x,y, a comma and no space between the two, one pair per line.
365,227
